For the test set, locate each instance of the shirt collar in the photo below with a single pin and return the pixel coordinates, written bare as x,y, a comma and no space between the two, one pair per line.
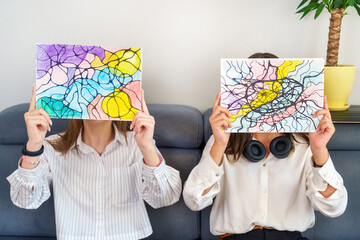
87,149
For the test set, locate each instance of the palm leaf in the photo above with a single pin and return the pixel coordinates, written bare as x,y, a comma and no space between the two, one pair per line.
302,3
319,10
357,9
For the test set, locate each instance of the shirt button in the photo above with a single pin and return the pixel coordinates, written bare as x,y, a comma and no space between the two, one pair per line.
324,182
325,174
217,174
263,217
264,165
264,190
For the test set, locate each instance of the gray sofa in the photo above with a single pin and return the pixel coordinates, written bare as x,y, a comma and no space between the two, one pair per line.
180,134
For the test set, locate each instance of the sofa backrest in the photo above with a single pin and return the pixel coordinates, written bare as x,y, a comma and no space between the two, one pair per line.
344,149
178,135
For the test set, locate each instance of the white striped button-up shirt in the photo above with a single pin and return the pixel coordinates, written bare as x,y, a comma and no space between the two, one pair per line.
97,197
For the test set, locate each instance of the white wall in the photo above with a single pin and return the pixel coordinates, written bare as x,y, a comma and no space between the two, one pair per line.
182,41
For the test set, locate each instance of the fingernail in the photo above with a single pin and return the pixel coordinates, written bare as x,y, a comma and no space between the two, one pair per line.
50,122
49,129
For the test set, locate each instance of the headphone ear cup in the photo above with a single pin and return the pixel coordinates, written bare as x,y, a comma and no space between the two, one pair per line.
254,151
281,147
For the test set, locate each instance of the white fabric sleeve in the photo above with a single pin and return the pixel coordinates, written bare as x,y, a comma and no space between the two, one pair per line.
206,174
318,180
161,185
30,188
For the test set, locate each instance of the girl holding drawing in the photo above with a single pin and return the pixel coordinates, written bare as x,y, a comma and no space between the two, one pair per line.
100,171
272,196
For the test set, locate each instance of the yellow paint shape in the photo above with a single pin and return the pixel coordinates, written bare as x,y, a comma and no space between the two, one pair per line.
125,62
267,95
118,105
97,63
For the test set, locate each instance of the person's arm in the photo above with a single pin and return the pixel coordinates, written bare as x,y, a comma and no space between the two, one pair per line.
203,183
325,188
29,184
325,185
161,185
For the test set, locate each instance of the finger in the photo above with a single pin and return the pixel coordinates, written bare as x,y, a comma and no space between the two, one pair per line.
141,122
217,100
138,118
220,109
33,98
150,119
221,124
222,117
324,112
42,112
39,121
141,115
325,103
139,127
143,103
326,126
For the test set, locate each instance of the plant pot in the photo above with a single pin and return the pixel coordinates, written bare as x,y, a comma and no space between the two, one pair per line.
338,82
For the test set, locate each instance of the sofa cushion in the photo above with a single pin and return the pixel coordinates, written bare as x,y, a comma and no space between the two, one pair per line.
176,126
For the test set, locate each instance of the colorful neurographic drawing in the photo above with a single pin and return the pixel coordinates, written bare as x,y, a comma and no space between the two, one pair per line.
88,82
272,95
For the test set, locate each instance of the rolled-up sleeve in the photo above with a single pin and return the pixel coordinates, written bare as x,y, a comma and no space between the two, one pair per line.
161,185
206,174
30,188
318,180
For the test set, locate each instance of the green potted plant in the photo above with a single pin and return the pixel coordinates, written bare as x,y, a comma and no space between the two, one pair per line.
336,95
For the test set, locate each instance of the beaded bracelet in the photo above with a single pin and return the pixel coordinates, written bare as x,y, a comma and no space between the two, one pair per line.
24,158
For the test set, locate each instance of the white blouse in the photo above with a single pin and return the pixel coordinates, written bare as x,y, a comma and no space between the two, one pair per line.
97,197
274,193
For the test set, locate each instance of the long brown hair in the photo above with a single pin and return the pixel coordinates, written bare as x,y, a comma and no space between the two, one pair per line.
238,141
69,137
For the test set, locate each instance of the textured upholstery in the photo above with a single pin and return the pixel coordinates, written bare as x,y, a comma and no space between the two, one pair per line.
344,149
178,135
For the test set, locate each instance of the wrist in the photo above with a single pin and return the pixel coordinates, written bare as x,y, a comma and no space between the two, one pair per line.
217,153
147,149
320,155
220,145
33,146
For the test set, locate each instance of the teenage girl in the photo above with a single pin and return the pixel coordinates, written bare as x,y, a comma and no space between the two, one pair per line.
270,198
100,172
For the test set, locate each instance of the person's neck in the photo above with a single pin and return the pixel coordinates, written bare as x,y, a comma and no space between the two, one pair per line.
266,138
98,134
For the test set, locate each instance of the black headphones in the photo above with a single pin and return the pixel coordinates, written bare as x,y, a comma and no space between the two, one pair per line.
280,147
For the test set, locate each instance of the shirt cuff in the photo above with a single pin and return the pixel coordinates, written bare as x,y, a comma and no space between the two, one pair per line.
325,175
209,171
29,174
158,170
